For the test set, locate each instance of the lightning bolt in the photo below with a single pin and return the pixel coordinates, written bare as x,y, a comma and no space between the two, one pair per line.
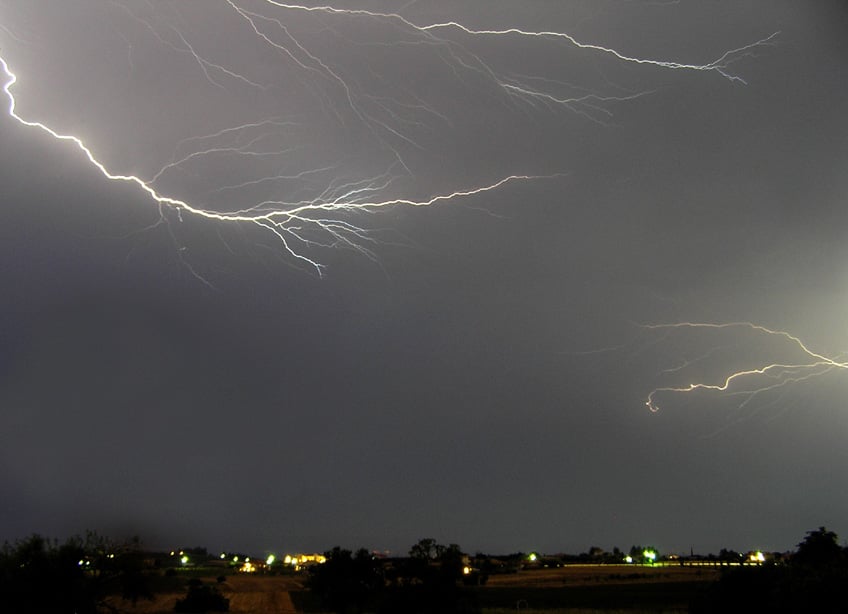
317,205
284,218
801,363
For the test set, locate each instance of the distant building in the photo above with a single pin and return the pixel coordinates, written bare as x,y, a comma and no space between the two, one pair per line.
301,561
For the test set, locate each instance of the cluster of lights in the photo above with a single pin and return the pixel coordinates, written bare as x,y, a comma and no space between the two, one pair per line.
245,565
184,559
299,561
649,556
296,561
86,562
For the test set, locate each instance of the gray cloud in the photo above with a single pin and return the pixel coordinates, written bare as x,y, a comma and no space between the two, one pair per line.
455,386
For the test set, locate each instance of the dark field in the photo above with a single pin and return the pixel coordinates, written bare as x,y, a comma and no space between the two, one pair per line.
597,587
584,588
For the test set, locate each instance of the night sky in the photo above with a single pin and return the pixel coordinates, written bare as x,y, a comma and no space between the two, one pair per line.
475,370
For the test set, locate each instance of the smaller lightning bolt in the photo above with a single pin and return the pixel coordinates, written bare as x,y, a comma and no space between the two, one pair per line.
759,378
719,65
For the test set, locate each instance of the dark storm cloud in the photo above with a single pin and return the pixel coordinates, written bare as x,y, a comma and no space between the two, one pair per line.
452,389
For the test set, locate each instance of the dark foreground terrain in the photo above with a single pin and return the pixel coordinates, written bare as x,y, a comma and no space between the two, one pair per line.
573,588
583,588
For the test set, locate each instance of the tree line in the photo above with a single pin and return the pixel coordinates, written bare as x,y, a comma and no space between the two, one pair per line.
84,574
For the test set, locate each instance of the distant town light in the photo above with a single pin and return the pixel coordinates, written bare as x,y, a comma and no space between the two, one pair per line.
270,560
532,556
650,555
628,559
466,570
223,555
184,560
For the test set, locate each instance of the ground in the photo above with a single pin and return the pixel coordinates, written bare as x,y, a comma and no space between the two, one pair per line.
573,589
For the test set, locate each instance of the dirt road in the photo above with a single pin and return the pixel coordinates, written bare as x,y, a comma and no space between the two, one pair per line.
249,594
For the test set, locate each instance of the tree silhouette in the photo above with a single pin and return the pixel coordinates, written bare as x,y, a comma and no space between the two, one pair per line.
347,583
819,549
427,582
40,575
202,598
813,581
37,575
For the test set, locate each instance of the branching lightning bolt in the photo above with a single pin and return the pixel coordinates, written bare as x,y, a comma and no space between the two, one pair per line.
801,363
281,221
321,211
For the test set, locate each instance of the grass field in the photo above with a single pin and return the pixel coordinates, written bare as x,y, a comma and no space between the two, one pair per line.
595,588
